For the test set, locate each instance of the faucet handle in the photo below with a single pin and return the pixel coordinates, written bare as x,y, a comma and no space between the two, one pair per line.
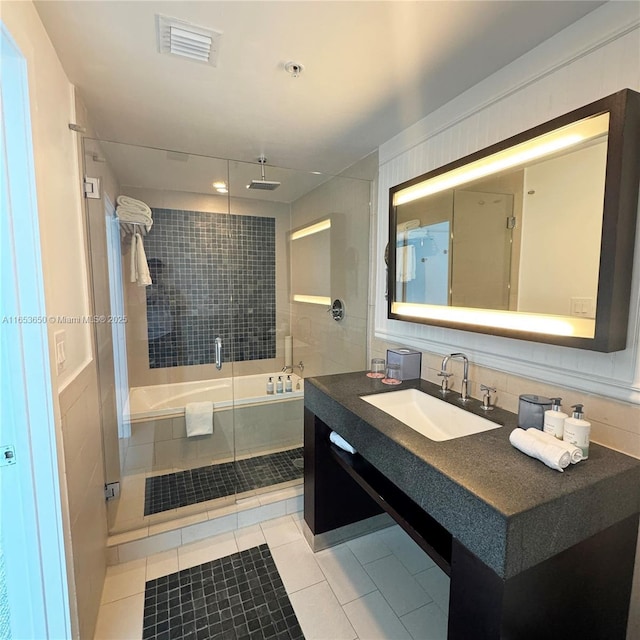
486,398
444,387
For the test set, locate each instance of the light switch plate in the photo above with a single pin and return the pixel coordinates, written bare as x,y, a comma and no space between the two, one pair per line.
59,338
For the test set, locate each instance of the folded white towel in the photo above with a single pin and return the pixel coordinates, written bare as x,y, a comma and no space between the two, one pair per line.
138,265
127,217
339,441
199,418
134,211
573,451
550,453
133,206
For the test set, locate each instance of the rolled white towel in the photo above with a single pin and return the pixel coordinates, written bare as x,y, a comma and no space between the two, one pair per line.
199,418
339,441
550,453
574,452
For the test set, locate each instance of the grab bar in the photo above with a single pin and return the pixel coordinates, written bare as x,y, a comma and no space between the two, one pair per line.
218,353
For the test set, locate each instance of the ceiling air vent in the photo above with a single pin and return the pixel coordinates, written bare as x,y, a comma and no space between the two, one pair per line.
187,40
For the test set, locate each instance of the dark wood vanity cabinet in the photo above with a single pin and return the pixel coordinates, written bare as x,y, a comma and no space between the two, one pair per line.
581,591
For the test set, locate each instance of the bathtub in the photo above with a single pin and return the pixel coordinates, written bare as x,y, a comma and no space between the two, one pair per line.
246,422
169,400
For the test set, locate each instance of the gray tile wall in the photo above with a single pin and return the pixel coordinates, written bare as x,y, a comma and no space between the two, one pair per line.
214,275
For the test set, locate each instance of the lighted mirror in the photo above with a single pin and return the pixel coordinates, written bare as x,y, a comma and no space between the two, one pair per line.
311,245
530,238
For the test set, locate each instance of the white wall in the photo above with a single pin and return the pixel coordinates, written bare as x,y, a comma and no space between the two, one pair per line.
595,57
56,161
563,249
76,406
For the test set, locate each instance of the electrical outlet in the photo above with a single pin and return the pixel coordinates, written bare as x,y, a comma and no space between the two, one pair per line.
582,307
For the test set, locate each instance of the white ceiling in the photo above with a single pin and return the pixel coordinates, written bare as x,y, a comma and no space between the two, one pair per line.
371,70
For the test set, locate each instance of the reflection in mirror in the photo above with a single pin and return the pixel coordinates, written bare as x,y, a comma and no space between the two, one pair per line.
523,237
511,240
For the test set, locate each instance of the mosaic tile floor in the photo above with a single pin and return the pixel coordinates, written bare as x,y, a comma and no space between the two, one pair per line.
381,585
238,597
182,488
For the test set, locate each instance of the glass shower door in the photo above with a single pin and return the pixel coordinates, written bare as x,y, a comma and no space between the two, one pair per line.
174,452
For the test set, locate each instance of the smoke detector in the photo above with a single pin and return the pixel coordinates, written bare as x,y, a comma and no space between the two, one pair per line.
180,38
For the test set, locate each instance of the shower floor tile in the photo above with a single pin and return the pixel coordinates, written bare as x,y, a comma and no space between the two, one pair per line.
240,596
183,488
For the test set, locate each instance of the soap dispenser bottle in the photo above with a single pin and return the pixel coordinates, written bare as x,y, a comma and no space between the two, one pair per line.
279,386
288,384
577,430
554,419
270,386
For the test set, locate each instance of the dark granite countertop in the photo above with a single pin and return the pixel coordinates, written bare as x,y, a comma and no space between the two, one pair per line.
507,508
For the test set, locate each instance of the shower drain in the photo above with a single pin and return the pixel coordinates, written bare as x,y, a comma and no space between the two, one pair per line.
298,463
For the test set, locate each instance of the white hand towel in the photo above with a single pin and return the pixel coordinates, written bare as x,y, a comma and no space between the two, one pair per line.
143,276
574,452
133,260
339,441
199,418
405,263
550,453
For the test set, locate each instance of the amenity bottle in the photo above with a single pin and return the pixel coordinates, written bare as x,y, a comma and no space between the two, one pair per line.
270,386
554,419
577,430
288,385
279,386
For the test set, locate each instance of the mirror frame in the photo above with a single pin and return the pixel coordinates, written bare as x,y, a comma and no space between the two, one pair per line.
620,209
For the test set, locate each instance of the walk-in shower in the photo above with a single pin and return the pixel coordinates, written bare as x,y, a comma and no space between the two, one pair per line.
219,324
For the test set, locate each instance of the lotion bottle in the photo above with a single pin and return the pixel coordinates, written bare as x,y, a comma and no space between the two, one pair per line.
270,386
577,430
554,419
279,386
288,384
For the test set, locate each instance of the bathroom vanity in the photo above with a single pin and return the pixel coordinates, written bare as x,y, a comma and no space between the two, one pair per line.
531,552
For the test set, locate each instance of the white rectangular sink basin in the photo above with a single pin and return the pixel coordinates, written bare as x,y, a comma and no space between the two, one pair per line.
431,417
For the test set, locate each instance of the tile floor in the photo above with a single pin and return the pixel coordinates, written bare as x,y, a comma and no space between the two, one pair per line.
378,586
192,486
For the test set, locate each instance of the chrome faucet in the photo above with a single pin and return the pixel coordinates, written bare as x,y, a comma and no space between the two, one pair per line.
465,374
287,368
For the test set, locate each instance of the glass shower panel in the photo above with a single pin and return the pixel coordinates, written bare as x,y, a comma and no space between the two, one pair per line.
274,216
174,451
220,323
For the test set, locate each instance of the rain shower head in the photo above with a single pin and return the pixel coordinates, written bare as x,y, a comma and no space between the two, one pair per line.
264,185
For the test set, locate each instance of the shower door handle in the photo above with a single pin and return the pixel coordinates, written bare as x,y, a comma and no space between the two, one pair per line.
218,353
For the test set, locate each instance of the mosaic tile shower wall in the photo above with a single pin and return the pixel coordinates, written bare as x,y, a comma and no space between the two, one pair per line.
214,275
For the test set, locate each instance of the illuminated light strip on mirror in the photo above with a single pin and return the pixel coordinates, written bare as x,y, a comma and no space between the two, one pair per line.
534,322
525,152
323,225
312,299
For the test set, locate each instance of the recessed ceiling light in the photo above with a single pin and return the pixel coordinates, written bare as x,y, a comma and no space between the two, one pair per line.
220,185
